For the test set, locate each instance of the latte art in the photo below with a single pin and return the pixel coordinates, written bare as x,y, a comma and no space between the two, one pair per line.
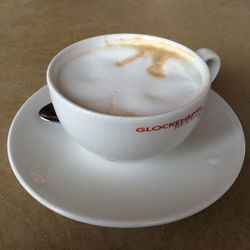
132,77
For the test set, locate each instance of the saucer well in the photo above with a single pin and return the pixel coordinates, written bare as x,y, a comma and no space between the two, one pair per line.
77,184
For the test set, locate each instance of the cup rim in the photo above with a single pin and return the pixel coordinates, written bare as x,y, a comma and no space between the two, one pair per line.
52,86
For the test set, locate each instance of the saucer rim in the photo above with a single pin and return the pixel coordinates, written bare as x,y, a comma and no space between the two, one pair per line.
116,223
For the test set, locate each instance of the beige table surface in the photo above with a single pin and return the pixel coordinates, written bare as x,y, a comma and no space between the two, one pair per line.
33,31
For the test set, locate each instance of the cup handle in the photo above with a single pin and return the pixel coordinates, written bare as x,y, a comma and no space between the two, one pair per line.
212,60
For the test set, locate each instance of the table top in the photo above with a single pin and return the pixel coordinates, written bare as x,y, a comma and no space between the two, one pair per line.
32,32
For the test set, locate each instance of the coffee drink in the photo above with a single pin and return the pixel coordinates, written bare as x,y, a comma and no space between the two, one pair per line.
127,97
131,77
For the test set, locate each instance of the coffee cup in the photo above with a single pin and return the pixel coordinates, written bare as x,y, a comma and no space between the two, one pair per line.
109,94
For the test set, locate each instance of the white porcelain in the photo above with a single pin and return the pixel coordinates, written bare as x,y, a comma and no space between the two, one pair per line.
103,134
75,183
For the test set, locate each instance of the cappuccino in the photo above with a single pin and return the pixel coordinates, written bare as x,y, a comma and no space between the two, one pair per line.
130,77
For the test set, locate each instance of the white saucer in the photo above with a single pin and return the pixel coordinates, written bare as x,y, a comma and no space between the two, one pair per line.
64,177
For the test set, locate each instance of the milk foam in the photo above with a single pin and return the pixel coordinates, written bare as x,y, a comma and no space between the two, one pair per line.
94,81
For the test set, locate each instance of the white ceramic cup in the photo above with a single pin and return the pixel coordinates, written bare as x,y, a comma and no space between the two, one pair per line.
124,138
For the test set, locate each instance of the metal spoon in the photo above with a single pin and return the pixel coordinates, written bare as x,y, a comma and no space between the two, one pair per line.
48,113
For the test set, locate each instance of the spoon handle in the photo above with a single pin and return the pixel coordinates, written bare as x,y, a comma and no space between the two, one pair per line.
48,113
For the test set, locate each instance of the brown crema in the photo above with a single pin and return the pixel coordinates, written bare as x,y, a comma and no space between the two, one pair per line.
159,50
